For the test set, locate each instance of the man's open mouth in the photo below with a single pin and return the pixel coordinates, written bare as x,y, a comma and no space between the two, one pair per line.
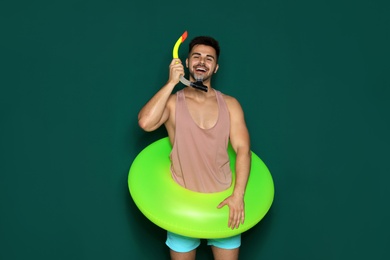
200,69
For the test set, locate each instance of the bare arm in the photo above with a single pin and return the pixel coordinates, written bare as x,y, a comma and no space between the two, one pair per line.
156,112
239,138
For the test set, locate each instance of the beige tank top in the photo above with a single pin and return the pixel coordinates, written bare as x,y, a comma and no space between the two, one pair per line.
199,159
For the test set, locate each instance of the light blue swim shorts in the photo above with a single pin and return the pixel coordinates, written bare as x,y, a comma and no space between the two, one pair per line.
184,244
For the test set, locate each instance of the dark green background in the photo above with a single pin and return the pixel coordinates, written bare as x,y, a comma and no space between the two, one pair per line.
312,77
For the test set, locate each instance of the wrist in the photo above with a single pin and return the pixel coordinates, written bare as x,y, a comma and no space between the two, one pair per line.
239,193
171,84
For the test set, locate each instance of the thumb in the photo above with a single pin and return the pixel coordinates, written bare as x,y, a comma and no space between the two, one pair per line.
223,203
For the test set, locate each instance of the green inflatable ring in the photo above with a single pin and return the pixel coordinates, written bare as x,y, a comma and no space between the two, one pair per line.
189,213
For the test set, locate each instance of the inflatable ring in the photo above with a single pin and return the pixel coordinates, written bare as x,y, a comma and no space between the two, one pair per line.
189,213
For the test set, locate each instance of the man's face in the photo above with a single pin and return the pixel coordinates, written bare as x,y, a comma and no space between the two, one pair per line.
202,62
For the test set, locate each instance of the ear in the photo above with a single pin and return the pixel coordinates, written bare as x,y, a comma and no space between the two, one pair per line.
187,63
216,69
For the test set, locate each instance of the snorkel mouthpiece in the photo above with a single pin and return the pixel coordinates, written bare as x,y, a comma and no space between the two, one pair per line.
199,85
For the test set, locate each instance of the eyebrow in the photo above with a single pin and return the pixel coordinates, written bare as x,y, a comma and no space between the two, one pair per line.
208,55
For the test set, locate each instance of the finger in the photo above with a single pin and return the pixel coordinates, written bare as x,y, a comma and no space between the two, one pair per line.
177,69
239,219
223,203
233,219
175,61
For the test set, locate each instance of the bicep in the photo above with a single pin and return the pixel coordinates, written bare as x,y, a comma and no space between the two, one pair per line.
165,116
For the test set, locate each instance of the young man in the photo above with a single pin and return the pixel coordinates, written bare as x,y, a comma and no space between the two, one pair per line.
200,125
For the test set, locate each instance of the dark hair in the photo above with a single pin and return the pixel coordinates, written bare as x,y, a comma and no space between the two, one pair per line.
205,40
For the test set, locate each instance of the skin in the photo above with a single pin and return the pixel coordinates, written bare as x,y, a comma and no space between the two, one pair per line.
203,107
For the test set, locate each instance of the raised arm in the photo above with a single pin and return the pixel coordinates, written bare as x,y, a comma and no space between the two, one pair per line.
156,110
239,138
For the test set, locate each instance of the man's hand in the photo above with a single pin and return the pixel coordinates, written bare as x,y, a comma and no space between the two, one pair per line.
176,69
236,210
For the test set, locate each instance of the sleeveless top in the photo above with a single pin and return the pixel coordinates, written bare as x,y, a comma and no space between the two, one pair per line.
199,158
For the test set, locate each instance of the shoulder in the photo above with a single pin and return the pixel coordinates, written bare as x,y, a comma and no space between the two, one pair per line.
231,102
172,101
173,97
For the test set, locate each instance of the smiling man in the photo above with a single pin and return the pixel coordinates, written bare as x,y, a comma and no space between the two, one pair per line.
200,125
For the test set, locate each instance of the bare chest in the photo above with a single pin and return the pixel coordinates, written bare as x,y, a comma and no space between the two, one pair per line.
204,114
